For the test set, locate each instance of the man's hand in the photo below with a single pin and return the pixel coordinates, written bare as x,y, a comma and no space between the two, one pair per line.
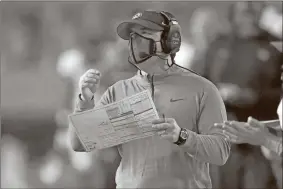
167,128
88,83
253,132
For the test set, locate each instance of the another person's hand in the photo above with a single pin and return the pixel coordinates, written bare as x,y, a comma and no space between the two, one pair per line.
88,83
167,128
253,132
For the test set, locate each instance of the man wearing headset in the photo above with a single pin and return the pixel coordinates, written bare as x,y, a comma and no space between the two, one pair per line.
186,141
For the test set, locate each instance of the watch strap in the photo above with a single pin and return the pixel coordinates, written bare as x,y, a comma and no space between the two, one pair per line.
80,97
181,140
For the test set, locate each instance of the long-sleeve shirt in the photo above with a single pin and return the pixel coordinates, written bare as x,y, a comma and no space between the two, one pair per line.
152,162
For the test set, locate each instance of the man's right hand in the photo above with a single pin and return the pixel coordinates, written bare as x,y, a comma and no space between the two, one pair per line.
88,84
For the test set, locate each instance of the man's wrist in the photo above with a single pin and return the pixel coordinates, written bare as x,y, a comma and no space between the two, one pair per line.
83,104
183,136
81,97
190,146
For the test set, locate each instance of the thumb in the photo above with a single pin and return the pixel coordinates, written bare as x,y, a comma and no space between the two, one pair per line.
254,122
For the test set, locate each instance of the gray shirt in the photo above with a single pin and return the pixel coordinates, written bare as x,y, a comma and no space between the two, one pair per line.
195,104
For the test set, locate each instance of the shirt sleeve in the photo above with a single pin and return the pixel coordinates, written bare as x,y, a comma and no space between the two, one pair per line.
209,144
274,144
84,105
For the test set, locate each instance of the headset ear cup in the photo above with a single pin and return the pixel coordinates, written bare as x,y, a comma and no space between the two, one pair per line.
173,41
171,37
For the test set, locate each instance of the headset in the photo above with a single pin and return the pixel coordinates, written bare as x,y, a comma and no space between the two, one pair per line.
171,36
170,39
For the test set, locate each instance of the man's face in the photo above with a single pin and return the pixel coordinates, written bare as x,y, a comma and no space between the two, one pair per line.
141,41
141,48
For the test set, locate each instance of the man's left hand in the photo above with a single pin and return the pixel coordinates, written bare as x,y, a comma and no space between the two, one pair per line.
167,128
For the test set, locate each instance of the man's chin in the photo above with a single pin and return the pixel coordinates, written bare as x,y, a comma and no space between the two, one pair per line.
154,65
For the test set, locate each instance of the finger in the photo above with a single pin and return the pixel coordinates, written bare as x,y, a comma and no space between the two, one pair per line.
217,128
85,85
166,136
169,120
89,85
162,132
94,71
234,141
241,127
231,137
158,121
230,129
162,126
219,125
92,75
254,123
88,80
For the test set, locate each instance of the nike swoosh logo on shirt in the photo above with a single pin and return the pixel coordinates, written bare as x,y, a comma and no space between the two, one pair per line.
175,100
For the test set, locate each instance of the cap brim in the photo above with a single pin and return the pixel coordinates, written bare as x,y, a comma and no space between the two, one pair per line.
125,28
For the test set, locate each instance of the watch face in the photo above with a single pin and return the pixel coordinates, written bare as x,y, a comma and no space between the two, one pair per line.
184,134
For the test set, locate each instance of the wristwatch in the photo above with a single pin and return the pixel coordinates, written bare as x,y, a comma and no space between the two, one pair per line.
80,97
183,136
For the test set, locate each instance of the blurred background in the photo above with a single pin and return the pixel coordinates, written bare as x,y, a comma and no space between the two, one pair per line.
47,46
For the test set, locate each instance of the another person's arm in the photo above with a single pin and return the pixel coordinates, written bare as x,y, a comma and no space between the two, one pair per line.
254,132
270,141
274,144
210,144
